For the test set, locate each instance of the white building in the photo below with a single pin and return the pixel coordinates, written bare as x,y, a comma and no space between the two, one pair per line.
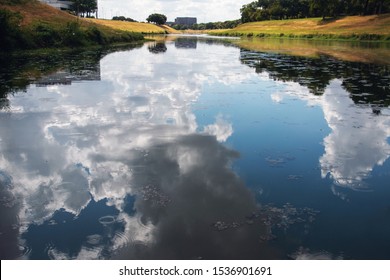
59,4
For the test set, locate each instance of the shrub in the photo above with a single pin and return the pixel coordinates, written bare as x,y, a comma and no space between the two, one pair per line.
46,36
72,35
95,35
9,29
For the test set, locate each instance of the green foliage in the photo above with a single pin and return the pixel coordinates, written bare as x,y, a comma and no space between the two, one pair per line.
9,29
14,2
289,9
73,36
53,32
122,18
84,7
95,35
157,19
45,36
210,25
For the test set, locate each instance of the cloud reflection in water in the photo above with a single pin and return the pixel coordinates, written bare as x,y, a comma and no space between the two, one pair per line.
72,149
120,168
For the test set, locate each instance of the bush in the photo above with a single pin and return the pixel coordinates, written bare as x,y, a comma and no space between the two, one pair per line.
368,37
95,35
73,36
9,29
46,36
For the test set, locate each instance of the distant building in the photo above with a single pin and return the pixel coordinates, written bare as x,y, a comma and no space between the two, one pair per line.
189,21
186,43
59,4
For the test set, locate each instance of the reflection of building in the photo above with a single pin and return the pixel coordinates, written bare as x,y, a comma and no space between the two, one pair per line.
186,21
66,77
59,4
186,43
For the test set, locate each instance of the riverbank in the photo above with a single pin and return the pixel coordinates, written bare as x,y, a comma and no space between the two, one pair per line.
374,28
31,25
140,27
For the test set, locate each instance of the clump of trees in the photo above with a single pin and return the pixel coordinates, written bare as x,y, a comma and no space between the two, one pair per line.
210,25
84,8
287,9
122,18
157,19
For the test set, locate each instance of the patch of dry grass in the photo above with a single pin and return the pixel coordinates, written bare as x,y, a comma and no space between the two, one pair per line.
343,27
134,26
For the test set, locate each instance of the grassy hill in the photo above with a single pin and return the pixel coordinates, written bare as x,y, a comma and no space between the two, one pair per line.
376,27
31,24
146,28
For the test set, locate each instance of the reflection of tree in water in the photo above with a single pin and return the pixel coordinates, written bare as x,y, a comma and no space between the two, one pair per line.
13,77
18,71
9,208
157,47
367,83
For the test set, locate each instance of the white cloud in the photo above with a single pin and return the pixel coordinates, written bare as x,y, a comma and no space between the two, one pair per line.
96,142
221,129
358,141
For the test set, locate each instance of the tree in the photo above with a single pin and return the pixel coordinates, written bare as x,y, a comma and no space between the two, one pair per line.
322,8
247,12
157,19
84,7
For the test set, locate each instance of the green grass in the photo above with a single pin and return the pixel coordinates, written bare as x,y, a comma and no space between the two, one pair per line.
376,27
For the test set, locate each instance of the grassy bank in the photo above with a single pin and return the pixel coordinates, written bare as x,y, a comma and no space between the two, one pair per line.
141,27
28,24
356,51
376,27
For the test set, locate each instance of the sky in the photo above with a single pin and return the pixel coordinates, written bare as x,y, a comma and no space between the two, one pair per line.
203,10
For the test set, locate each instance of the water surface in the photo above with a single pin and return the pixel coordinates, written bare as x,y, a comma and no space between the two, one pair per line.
195,148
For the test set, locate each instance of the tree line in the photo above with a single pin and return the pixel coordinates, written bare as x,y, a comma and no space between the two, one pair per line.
290,9
209,25
122,18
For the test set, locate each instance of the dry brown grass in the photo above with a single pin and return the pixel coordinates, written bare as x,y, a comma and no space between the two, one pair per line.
34,11
134,26
37,12
375,24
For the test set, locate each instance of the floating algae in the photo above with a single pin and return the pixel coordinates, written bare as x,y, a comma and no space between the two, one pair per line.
155,196
272,218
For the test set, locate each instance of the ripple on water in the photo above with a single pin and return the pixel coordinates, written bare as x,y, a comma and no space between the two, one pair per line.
52,253
142,223
24,251
94,239
107,220
122,239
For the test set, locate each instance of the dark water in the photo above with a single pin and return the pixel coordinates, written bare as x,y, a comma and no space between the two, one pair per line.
193,149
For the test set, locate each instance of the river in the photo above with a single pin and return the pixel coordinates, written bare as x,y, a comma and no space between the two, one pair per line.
197,148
